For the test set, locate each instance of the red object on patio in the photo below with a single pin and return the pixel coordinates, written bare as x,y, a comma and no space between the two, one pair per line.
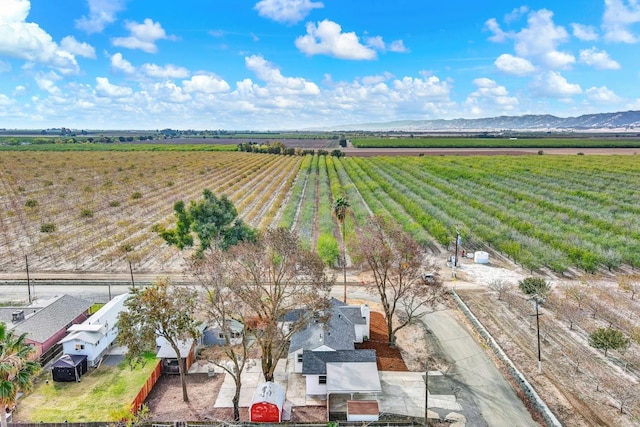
267,403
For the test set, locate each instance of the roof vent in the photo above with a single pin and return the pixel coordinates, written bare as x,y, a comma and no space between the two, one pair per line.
17,316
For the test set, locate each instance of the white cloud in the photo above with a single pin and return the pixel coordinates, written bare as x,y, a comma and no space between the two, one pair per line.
286,11
540,40
327,38
584,32
167,72
375,42
618,17
5,101
516,14
108,90
499,35
492,95
71,45
19,90
168,92
26,40
268,73
598,59
204,83
553,85
602,95
143,36
398,46
119,63
101,14
47,82
513,65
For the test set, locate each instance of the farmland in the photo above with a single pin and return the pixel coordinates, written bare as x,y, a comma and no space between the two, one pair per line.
491,142
76,210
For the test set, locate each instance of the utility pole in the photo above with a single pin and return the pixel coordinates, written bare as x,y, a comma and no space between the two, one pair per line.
535,298
426,393
26,261
133,285
455,255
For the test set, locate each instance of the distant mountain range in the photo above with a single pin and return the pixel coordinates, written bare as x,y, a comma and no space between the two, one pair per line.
620,121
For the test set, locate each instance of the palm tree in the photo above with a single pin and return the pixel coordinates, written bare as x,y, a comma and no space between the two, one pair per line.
340,207
17,369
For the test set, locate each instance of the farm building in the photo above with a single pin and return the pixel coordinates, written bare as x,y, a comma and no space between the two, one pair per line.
267,403
96,335
169,357
69,368
46,322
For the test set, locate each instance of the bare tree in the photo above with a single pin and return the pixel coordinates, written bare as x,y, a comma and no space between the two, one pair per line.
500,286
625,391
630,283
570,312
398,264
274,276
577,293
213,272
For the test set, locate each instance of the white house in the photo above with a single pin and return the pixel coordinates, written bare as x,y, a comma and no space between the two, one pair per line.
345,326
96,335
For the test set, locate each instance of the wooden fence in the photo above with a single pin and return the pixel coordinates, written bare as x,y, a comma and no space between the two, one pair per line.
147,387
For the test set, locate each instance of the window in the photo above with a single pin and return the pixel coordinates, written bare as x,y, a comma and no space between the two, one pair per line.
220,335
322,379
300,358
79,346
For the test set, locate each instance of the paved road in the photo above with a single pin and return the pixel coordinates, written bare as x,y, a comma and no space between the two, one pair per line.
496,400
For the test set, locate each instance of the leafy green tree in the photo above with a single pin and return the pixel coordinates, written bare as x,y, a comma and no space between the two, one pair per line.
607,339
160,310
213,220
328,249
17,369
536,287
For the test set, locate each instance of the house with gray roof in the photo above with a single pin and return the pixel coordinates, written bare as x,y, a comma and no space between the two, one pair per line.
324,352
341,372
47,322
96,335
346,325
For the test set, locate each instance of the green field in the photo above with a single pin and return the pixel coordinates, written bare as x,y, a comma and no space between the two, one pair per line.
495,143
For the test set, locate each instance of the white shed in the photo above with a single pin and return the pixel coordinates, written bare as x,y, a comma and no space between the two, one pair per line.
481,257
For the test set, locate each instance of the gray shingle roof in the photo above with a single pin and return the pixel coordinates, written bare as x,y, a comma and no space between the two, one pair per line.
48,321
315,362
337,333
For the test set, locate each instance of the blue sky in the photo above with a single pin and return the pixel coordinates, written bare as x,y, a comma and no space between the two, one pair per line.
294,64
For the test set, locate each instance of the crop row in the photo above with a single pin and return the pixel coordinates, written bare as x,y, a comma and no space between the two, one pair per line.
494,143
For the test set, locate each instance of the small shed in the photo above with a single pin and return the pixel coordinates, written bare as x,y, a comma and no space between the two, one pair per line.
362,410
267,403
481,257
170,358
69,368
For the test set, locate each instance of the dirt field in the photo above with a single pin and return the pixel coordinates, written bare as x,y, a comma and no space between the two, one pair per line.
166,404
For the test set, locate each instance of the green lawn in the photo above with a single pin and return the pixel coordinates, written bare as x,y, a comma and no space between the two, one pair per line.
94,398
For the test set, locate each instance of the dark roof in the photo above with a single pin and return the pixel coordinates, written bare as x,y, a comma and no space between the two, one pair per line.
337,333
315,362
293,315
69,361
45,323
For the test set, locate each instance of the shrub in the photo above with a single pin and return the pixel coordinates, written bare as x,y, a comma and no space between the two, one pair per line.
114,203
86,213
31,203
136,195
47,227
328,249
607,339
535,286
